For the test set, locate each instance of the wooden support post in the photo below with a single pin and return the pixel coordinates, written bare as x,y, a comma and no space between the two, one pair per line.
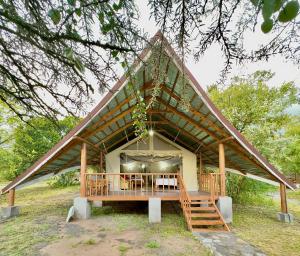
200,169
222,169
83,165
101,161
284,208
11,197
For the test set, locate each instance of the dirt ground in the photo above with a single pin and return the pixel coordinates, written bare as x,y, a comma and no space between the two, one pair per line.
100,236
116,229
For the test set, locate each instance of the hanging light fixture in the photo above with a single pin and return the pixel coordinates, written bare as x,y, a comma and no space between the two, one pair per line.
151,132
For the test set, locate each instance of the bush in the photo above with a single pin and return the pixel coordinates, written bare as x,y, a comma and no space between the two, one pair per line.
64,180
244,190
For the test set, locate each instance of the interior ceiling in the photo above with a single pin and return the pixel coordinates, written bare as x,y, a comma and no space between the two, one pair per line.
197,130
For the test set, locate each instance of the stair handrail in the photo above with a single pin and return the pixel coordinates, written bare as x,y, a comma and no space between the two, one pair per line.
185,201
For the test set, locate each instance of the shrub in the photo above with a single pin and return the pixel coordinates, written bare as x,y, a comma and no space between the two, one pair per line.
64,180
245,190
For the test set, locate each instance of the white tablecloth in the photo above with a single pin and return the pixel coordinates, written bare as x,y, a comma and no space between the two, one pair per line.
166,182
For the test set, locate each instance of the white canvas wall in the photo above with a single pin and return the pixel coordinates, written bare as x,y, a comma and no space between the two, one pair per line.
161,144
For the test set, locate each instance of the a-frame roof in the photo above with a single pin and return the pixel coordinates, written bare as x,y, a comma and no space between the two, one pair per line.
200,129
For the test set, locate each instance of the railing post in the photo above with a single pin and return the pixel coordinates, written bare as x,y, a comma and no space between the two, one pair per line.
222,169
83,165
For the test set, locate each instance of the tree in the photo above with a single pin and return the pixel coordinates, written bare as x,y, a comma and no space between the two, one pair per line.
289,159
31,141
255,109
259,113
49,43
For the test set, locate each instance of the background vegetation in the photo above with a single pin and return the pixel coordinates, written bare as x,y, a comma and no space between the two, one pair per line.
262,114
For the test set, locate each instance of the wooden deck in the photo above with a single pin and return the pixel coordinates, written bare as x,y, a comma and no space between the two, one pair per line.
145,195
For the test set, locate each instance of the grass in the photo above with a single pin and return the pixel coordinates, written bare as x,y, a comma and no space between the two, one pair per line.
43,213
294,194
41,209
152,245
258,225
123,249
90,242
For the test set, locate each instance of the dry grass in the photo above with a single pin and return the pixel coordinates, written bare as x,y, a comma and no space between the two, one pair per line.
259,226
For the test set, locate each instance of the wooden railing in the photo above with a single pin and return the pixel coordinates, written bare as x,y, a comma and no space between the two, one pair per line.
104,184
185,202
211,182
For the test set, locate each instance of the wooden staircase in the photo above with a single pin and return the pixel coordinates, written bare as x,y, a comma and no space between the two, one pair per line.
201,213
205,216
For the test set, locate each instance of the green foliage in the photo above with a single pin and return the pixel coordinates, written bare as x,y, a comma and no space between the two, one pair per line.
289,157
259,113
31,141
152,244
267,25
289,12
255,109
269,8
244,190
64,180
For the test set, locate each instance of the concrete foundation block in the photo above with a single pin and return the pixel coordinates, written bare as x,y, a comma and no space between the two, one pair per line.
82,208
10,211
154,210
285,217
225,207
97,204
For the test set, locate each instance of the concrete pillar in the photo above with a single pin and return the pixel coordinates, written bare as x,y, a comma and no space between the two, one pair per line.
225,207
10,211
154,210
82,208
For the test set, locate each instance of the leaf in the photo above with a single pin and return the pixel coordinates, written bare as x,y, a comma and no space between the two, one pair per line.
114,53
69,53
268,8
72,2
116,7
289,11
78,12
278,4
255,2
267,26
55,16
101,17
78,64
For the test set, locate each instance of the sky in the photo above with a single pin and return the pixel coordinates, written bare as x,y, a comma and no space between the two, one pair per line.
208,69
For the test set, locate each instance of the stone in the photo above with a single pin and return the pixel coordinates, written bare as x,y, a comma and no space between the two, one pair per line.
285,217
97,204
225,207
82,208
154,210
10,211
71,214
222,244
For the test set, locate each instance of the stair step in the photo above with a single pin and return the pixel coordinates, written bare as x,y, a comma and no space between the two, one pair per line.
204,215
200,197
209,230
209,208
207,222
201,202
